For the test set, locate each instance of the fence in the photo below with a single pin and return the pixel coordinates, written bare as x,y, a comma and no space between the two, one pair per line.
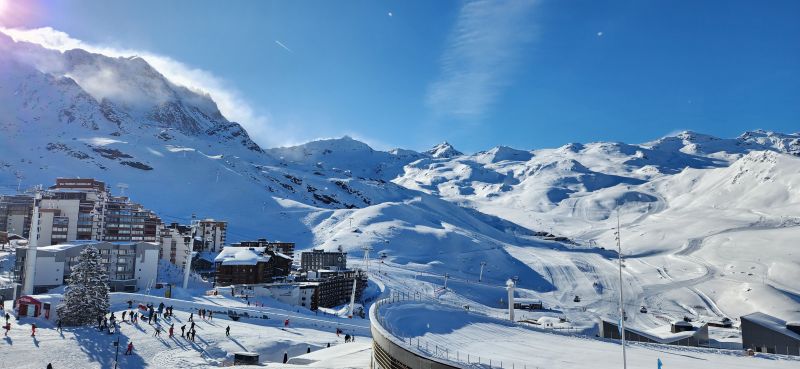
440,353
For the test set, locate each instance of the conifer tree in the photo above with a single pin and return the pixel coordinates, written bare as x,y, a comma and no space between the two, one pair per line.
86,295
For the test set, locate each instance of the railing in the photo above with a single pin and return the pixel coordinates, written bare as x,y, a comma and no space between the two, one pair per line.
434,351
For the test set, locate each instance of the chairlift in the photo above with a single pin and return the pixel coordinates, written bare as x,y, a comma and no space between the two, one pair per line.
577,298
643,310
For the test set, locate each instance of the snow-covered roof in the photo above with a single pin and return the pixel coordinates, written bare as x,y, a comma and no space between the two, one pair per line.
283,255
241,256
84,243
771,322
60,247
664,334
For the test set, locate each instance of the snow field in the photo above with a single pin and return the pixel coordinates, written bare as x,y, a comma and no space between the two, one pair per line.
85,347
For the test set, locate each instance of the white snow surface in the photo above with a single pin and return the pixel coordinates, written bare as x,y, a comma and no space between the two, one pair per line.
455,336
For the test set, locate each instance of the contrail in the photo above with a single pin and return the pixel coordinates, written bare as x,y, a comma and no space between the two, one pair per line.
284,46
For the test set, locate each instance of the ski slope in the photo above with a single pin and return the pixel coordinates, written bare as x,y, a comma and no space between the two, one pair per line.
86,347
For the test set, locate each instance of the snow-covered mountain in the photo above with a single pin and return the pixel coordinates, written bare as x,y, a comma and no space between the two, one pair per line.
709,224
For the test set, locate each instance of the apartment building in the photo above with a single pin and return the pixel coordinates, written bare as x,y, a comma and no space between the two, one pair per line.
317,259
15,214
211,233
176,241
335,287
131,266
79,209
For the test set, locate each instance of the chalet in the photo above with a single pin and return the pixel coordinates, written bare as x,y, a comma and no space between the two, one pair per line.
249,265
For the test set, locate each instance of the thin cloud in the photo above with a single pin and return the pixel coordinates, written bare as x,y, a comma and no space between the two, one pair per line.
483,50
284,46
229,101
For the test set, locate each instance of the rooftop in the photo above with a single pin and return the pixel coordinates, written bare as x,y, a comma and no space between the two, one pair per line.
242,256
771,322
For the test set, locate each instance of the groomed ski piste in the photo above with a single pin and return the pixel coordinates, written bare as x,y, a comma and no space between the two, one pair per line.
88,347
434,323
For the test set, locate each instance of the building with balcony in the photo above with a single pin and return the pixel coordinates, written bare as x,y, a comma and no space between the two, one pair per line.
249,265
131,266
320,259
76,209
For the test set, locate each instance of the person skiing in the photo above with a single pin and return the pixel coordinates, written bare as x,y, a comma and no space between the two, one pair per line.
308,351
191,317
193,334
58,326
49,365
123,315
192,326
7,327
7,317
33,329
286,323
130,349
228,331
183,328
285,357
210,315
171,329
157,333
347,337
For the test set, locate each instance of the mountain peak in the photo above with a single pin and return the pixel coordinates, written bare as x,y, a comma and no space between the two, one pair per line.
444,150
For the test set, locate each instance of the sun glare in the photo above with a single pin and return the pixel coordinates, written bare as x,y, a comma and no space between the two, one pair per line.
3,6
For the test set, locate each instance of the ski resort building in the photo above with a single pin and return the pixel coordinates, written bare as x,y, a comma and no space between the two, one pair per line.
211,234
15,214
681,332
316,259
77,209
336,286
131,266
305,294
286,248
766,333
176,241
249,265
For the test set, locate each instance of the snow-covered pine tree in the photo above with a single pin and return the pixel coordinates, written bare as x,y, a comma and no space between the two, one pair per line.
86,295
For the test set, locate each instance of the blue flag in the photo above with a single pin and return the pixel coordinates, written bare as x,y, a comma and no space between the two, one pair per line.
660,363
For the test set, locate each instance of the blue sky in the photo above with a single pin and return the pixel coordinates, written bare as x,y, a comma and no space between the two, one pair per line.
524,74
